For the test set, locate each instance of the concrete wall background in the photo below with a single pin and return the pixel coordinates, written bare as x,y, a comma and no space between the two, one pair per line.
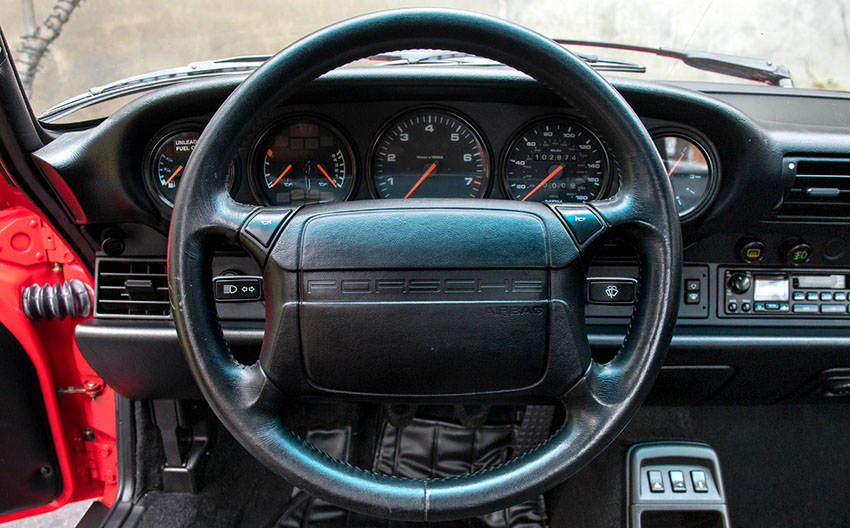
109,39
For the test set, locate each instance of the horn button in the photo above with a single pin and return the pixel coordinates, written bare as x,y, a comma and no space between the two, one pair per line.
427,301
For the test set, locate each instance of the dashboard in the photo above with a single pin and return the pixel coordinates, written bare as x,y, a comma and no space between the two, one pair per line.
318,155
761,177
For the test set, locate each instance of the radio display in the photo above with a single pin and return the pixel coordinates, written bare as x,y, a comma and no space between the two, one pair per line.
830,282
770,289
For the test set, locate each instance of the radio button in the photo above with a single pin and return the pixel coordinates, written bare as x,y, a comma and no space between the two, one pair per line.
799,296
832,308
812,296
840,296
826,296
772,306
805,308
745,307
759,307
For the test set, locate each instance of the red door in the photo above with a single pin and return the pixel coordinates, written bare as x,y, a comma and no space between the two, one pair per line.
57,418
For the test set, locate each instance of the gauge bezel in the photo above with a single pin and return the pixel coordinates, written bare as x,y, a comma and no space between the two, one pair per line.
256,177
149,174
711,157
452,112
522,129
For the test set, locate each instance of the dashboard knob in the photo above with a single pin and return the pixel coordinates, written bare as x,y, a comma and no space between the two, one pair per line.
739,283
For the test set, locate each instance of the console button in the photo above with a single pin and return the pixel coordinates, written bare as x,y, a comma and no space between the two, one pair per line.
732,307
699,481
832,308
692,285
771,306
840,296
751,251
677,481
812,296
236,288
745,307
805,308
582,222
692,297
826,296
656,483
264,224
798,254
759,307
611,291
799,296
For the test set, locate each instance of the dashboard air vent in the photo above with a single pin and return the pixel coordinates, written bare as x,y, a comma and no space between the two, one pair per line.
131,288
819,187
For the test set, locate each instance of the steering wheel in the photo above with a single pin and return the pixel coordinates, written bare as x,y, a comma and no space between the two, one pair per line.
429,301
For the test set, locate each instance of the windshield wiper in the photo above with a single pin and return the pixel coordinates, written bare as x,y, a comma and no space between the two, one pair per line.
742,67
149,81
425,57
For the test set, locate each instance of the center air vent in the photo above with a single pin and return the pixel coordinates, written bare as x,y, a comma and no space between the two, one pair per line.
131,288
819,187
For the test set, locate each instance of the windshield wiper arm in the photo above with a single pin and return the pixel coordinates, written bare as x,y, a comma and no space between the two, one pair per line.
149,81
742,67
421,57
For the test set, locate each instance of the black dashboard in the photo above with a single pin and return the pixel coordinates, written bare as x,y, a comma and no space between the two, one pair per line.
761,175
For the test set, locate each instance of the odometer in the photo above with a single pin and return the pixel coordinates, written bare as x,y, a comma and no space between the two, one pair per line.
556,161
430,154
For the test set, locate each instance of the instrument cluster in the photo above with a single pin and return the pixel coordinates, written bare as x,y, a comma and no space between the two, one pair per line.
434,152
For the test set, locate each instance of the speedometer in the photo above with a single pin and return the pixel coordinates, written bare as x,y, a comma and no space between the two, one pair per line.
556,161
430,154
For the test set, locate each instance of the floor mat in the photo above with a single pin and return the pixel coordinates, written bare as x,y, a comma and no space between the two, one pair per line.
420,449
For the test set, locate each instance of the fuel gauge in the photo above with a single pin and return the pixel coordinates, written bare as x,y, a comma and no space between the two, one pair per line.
169,163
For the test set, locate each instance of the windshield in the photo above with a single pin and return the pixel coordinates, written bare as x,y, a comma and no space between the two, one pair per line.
65,47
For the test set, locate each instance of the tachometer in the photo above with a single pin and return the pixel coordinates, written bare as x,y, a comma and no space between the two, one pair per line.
304,160
556,161
689,169
430,154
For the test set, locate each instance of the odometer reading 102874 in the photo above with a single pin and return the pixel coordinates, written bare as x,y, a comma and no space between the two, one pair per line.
430,154
556,161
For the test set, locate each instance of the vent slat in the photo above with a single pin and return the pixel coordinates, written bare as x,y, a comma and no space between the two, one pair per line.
132,288
821,189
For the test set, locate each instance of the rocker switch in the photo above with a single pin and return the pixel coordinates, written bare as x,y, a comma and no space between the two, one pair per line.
656,483
698,479
677,481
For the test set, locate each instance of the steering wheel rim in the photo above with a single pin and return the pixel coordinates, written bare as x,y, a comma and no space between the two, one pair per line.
599,405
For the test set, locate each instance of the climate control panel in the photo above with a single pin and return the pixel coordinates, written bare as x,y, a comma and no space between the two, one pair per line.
785,292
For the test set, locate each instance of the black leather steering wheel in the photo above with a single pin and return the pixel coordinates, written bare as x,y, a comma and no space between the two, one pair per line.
425,300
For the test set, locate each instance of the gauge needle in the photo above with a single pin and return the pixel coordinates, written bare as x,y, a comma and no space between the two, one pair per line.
173,174
552,174
319,165
682,155
421,179
282,174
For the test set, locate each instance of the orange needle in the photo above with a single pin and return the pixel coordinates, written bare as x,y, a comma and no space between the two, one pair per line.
282,174
552,174
421,179
326,175
173,174
682,155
